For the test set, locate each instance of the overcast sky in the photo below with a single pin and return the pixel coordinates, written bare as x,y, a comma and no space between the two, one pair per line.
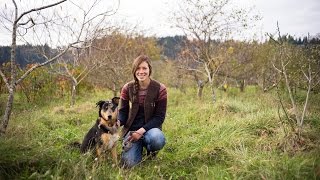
295,17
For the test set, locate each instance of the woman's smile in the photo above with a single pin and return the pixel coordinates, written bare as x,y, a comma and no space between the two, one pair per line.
143,71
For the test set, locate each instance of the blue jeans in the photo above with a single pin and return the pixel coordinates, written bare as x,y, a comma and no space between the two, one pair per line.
153,140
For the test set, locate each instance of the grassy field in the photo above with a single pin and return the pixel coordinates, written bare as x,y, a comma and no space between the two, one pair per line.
238,137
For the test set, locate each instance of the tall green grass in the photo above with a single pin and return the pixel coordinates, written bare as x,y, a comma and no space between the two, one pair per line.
237,137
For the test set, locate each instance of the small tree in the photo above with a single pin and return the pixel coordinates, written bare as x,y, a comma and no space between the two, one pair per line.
289,69
267,76
205,22
114,53
239,64
47,24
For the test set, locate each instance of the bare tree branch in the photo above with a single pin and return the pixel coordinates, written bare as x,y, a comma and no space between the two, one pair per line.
5,79
36,9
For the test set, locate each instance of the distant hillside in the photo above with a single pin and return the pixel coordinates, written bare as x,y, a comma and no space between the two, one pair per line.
171,46
26,54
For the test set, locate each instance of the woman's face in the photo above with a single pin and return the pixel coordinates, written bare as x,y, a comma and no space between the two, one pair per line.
142,72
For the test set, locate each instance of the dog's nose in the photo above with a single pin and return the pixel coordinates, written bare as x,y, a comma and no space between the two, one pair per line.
109,117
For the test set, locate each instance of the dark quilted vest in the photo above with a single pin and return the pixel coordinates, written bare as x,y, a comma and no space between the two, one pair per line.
149,104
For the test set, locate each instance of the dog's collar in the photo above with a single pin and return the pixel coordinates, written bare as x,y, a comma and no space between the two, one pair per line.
107,129
103,127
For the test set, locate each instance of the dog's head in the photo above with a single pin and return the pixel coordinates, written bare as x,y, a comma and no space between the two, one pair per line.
108,109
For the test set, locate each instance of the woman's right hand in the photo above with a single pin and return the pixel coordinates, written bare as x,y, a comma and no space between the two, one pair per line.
135,136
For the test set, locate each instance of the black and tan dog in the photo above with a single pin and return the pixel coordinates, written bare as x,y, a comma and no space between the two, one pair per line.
103,136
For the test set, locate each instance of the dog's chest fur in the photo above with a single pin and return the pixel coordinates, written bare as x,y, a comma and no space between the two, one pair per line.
109,140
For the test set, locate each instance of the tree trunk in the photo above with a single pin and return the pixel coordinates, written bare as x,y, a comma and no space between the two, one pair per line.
73,93
7,113
264,88
200,86
213,94
11,87
210,75
114,90
242,81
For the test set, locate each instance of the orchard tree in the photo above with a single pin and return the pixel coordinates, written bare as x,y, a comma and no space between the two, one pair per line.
76,65
294,64
239,64
205,22
61,25
115,52
267,76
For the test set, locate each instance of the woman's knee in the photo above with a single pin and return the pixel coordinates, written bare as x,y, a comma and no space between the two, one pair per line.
155,139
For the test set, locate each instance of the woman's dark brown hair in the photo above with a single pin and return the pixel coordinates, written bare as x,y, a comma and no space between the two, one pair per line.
140,59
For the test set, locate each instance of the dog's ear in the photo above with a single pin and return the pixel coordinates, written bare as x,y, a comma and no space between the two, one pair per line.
116,100
100,103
